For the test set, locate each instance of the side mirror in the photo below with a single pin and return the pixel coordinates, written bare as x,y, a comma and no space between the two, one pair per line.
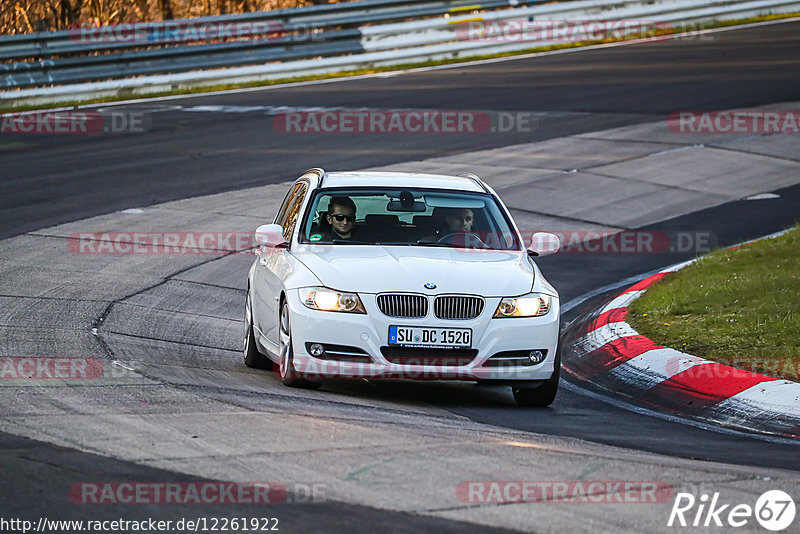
544,244
271,235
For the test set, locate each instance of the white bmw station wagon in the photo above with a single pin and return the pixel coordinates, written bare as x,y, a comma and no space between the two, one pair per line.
401,275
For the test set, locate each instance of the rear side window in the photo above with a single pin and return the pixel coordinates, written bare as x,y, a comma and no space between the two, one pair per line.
290,209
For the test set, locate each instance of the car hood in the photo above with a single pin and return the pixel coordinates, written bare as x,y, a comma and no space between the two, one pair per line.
377,269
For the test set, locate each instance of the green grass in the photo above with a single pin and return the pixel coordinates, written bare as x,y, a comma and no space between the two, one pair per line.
739,307
390,68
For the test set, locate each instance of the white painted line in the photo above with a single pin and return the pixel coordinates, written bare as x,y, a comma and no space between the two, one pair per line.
627,282
678,266
763,196
622,301
777,396
622,405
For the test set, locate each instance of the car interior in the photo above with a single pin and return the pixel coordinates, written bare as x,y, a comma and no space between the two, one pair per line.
414,222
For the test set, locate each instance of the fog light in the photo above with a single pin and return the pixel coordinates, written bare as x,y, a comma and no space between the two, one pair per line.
316,350
536,356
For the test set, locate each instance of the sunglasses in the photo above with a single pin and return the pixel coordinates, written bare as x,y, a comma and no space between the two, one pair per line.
341,217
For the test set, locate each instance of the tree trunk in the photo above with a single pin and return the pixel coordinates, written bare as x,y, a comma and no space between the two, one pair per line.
166,10
67,13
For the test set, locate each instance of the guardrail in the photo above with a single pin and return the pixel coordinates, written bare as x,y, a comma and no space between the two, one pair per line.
345,36
45,44
439,38
281,35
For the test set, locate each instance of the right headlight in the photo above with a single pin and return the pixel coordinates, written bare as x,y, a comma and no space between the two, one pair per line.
322,298
530,305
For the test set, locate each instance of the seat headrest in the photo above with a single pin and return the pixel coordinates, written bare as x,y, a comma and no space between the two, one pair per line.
382,219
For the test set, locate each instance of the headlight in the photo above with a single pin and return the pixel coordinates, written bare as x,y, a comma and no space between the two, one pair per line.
321,298
531,305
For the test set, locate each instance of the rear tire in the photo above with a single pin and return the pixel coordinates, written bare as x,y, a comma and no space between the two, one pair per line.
252,357
544,395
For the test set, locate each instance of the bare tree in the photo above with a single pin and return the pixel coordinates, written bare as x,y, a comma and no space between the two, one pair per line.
25,16
67,12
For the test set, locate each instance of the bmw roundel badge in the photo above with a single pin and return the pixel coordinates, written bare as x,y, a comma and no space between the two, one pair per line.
430,286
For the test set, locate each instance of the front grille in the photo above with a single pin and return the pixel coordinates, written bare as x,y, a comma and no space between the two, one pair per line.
426,356
407,305
457,307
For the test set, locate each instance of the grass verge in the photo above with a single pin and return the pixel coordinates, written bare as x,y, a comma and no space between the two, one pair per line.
740,307
390,68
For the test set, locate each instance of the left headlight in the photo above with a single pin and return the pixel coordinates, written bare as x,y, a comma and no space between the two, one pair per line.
530,305
322,298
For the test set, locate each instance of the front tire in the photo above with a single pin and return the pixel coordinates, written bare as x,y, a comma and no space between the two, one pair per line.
286,370
544,395
252,357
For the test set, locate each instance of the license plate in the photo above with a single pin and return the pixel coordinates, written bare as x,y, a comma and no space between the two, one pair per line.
443,338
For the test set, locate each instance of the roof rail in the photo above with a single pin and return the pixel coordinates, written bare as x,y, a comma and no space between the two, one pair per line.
475,178
320,172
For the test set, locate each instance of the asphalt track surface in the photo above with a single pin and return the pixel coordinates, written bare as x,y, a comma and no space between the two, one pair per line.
49,180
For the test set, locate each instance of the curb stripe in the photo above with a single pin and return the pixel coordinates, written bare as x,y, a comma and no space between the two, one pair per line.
616,315
605,334
653,367
646,283
612,354
698,388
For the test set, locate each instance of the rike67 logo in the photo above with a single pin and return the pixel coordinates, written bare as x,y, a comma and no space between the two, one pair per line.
774,510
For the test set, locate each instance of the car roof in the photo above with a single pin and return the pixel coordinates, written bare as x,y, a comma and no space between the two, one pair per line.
401,179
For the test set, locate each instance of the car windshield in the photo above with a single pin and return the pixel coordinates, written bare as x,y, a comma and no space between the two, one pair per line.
411,217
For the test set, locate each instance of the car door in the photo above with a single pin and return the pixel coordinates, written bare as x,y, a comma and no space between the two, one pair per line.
273,266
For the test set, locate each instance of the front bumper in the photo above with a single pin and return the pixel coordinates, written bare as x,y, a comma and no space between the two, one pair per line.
369,332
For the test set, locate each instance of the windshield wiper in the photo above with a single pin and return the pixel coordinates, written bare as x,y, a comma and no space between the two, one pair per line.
433,244
349,242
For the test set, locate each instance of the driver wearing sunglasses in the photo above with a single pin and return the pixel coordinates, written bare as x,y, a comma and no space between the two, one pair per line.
342,217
